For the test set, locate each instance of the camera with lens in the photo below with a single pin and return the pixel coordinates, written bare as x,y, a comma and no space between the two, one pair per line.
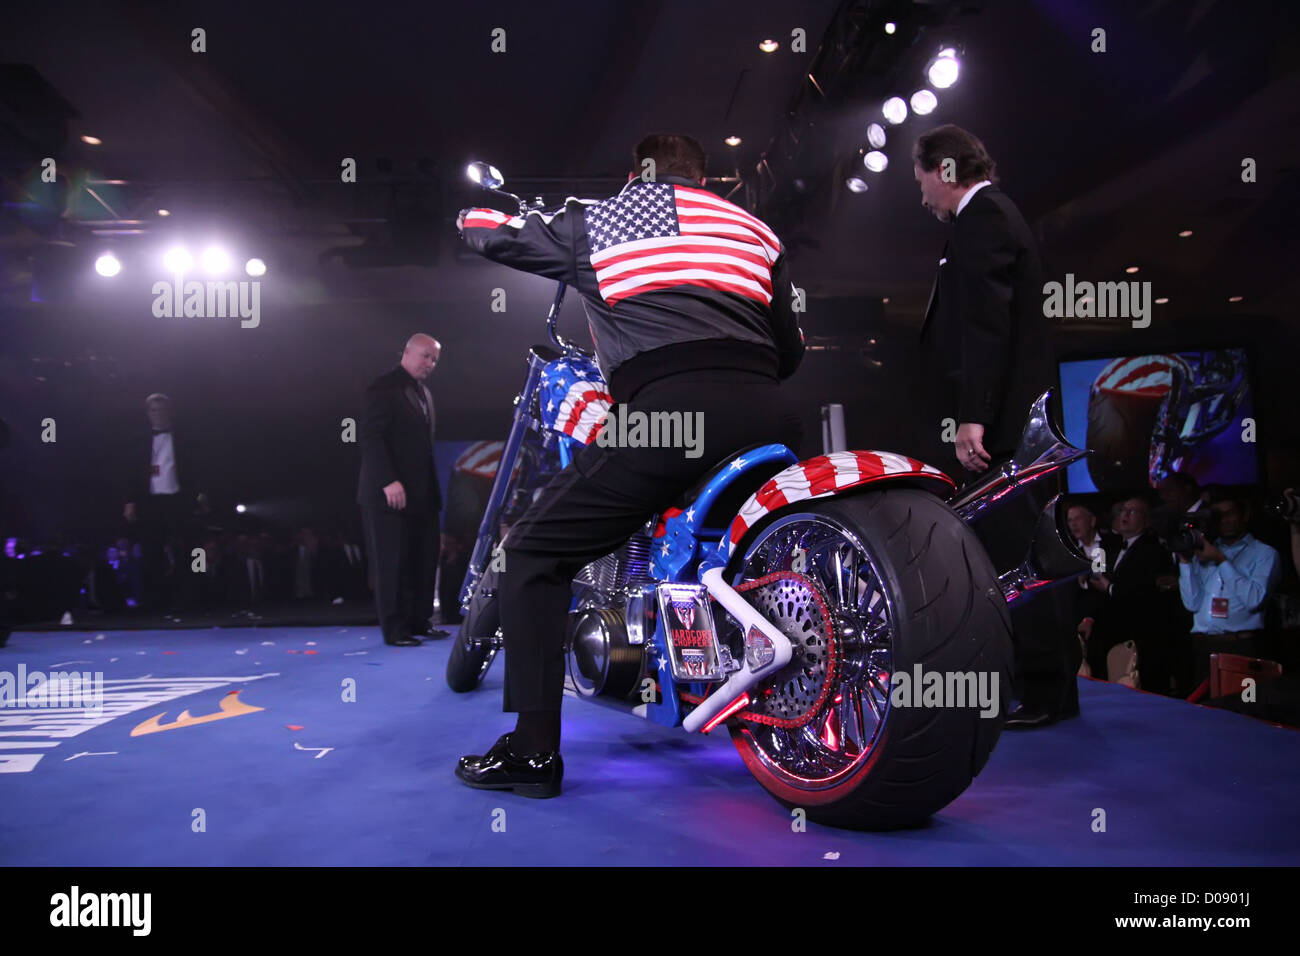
1286,506
1183,532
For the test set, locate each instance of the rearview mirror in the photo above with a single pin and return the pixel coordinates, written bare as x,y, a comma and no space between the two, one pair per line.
485,175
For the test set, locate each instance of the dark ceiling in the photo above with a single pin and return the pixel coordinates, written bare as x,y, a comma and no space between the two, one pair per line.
1109,154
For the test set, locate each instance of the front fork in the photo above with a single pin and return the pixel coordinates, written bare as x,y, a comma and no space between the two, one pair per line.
519,426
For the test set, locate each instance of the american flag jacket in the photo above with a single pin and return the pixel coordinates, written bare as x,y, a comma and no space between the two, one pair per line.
672,278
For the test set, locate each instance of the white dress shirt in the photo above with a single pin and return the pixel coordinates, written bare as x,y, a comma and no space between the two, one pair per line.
162,476
970,194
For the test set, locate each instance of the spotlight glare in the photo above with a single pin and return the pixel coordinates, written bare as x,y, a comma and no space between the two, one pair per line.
1185,233
895,110
1162,301
943,70
890,28
732,140
923,102
107,265
1131,269
875,161
92,140
214,260
240,508
1234,298
164,212
255,267
856,184
876,136
768,46
178,260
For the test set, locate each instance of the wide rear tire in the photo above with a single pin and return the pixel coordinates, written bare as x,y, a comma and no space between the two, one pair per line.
915,587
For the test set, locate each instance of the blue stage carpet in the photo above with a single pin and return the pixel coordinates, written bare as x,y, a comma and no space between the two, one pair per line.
1179,784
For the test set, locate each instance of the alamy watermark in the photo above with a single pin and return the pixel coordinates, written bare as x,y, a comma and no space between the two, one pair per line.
946,689
1099,300
636,429
57,689
214,299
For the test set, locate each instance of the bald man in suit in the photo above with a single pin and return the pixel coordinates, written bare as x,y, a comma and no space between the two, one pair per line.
399,495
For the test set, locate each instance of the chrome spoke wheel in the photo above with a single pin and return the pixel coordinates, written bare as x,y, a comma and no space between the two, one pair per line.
841,733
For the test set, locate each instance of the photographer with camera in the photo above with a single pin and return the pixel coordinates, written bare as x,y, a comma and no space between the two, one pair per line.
1288,509
1224,575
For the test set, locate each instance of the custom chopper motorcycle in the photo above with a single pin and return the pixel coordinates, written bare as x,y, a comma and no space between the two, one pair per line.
786,600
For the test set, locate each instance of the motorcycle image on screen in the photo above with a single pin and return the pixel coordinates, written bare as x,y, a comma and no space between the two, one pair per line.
836,614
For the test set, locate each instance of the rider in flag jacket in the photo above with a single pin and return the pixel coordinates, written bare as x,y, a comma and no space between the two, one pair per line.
690,309
672,277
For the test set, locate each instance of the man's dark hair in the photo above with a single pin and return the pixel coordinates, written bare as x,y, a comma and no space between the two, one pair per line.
971,159
674,155
1231,494
1079,503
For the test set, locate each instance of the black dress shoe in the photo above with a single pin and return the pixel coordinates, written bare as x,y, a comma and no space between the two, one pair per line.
1022,718
530,775
438,632
404,642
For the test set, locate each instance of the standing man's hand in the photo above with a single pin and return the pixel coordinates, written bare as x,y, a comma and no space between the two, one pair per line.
396,495
970,447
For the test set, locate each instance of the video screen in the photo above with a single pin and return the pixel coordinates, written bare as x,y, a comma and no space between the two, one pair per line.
1145,417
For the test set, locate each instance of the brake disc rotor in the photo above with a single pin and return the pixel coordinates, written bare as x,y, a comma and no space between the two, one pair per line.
794,694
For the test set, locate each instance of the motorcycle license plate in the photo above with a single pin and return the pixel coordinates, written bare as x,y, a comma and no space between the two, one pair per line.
691,635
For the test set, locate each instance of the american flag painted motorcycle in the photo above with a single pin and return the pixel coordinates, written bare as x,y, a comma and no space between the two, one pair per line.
791,602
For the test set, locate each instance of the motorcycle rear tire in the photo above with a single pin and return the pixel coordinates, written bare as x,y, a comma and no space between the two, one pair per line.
948,615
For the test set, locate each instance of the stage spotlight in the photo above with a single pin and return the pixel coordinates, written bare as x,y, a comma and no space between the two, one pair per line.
943,69
1161,301
890,28
1184,234
241,508
923,102
255,267
164,212
215,261
732,140
894,110
856,184
876,136
178,260
1131,269
1234,298
92,141
875,161
768,46
107,265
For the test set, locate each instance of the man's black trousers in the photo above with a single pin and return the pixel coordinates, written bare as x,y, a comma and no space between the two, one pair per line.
607,493
403,553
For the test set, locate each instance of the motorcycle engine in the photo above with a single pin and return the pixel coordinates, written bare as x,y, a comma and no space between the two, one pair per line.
601,657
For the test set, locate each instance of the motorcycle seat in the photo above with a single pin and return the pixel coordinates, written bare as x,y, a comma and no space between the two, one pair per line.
738,489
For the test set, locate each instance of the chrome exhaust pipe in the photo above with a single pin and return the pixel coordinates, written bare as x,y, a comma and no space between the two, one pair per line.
1043,449
1053,558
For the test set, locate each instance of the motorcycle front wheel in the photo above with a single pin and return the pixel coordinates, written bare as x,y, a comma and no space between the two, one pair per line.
474,649
903,589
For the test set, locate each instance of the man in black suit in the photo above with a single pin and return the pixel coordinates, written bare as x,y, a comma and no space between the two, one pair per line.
159,498
399,494
988,346
1134,610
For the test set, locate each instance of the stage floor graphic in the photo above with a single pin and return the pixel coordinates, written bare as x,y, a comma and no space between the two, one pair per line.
324,747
